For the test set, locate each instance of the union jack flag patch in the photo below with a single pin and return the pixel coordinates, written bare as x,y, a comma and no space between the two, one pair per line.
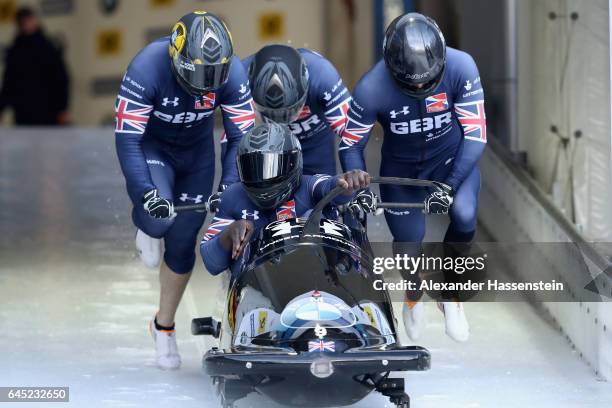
242,115
286,211
353,133
304,113
437,103
336,117
216,226
130,116
321,345
472,117
205,101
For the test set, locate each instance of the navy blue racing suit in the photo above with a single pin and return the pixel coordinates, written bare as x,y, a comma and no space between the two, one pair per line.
439,138
323,116
164,140
236,205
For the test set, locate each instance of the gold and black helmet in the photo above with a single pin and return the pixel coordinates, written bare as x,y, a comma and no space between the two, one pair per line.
201,52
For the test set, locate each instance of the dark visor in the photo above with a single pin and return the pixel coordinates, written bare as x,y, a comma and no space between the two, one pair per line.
201,77
261,168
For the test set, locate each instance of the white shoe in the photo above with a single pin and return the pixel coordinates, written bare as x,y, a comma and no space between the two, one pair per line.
457,327
166,350
414,319
149,249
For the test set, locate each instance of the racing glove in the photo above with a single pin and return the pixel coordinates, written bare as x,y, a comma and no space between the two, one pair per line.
439,201
156,206
215,199
365,201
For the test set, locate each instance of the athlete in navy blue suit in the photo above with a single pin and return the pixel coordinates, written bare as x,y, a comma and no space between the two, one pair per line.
439,136
304,90
164,139
268,193
430,103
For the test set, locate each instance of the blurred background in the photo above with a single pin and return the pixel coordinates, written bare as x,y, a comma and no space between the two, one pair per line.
547,177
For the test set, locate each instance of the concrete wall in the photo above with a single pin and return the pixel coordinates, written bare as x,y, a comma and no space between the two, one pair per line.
547,80
564,93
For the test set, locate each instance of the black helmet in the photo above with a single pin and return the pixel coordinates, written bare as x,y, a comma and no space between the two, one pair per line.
279,83
201,52
415,54
270,164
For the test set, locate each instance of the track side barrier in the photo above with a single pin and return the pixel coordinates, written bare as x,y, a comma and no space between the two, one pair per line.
514,209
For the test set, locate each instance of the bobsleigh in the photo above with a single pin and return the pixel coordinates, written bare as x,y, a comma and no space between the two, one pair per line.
303,324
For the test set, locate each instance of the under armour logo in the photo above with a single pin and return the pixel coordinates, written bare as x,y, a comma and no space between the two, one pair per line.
327,96
174,102
468,85
246,215
405,111
197,199
242,89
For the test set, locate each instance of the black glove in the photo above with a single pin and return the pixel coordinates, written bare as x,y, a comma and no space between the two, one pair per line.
440,199
215,199
365,201
156,206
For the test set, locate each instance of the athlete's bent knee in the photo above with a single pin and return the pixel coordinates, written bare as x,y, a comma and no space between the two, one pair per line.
180,263
180,254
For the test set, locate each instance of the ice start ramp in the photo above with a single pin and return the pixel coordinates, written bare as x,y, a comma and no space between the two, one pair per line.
75,303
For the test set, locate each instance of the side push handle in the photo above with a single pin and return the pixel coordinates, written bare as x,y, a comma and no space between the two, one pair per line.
313,222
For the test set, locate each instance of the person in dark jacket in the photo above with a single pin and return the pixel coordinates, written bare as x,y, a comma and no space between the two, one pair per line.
35,82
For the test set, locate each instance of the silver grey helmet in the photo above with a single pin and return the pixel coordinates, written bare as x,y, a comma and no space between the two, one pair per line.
279,83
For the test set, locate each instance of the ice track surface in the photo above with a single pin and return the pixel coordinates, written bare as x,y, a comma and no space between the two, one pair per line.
75,302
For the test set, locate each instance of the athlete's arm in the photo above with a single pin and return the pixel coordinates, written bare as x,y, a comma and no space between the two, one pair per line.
320,185
470,112
238,118
333,96
132,109
215,255
360,120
